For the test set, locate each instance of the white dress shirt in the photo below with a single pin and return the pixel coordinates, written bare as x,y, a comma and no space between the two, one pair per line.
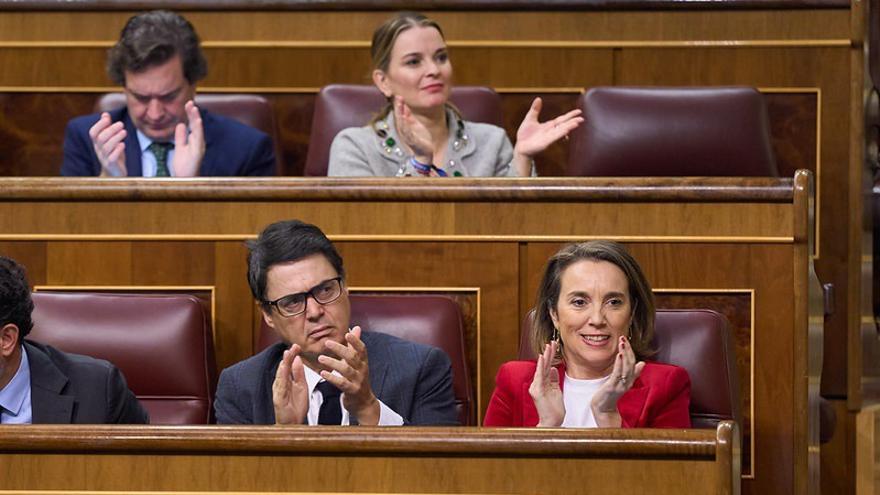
387,416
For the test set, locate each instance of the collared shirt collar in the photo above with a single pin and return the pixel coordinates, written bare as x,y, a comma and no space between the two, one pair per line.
143,141
17,391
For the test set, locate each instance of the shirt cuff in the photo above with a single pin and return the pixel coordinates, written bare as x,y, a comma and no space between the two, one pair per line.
387,416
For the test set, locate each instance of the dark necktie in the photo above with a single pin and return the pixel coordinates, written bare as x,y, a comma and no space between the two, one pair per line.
331,410
160,151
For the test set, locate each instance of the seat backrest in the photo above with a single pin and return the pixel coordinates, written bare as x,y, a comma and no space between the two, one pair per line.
161,343
339,106
424,319
251,110
653,132
699,341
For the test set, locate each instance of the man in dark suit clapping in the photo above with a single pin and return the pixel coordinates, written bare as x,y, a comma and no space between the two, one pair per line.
161,132
324,372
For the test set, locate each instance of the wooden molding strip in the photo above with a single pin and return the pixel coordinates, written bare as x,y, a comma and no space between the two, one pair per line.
692,443
405,238
502,44
374,189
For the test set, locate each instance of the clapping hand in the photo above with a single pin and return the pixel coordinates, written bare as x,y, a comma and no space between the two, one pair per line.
353,377
533,137
623,375
189,148
108,141
412,132
290,391
545,389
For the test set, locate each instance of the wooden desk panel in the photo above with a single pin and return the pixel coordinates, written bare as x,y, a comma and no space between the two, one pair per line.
703,239
367,460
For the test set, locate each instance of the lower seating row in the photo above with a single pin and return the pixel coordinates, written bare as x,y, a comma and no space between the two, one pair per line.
164,346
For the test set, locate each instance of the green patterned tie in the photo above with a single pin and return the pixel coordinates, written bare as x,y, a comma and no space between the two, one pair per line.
160,151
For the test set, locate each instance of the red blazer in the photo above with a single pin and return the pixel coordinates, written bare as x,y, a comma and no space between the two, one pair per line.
659,398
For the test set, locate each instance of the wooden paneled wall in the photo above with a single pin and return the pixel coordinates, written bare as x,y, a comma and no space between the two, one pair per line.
736,245
292,53
53,67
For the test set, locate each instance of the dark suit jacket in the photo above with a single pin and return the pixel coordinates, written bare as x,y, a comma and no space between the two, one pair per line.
70,388
659,398
414,380
231,148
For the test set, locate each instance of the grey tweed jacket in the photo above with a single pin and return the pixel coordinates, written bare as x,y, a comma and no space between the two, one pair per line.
483,150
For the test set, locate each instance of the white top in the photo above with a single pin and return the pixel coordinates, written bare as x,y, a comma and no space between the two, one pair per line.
577,396
387,416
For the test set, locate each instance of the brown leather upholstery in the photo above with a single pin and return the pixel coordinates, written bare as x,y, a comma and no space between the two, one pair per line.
251,110
339,106
653,132
699,341
424,319
161,343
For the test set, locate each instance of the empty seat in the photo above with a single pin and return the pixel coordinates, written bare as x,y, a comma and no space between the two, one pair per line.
339,106
162,344
699,341
653,132
424,319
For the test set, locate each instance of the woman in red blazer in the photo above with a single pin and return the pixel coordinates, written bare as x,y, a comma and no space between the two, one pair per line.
593,326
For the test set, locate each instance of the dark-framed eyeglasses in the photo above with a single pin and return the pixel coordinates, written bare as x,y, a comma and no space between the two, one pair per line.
294,304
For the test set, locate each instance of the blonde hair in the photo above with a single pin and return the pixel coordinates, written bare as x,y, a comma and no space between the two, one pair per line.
644,312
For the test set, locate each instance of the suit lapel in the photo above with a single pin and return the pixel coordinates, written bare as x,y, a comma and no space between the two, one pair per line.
207,167
378,365
48,406
632,405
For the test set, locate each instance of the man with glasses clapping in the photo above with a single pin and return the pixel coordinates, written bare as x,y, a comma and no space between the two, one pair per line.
321,373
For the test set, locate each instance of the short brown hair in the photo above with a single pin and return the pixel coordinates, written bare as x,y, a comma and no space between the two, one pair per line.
642,332
153,38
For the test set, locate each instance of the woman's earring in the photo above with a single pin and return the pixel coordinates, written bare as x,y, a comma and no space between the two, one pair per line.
555,335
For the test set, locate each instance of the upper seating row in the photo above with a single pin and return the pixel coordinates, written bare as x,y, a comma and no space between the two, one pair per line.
653,132
163,344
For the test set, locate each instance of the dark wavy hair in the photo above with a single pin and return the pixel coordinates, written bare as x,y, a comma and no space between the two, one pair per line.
644,310
285,241
16,304
153,38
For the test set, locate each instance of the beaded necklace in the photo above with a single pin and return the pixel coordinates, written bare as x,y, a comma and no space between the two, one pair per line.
391,148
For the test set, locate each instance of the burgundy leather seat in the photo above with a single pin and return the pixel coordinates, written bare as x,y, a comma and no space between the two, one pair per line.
699,341
162,344
653,132
251,110
424,319
339,106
